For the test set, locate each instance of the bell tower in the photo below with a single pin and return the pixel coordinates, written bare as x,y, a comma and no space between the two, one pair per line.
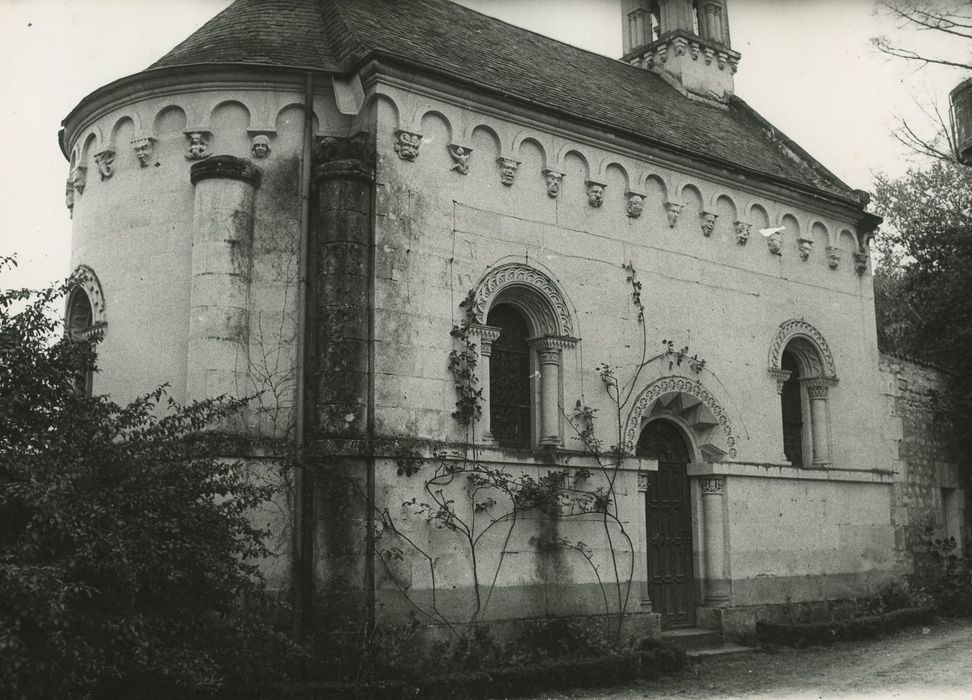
684,41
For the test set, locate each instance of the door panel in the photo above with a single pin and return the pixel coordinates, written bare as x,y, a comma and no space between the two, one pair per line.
668,514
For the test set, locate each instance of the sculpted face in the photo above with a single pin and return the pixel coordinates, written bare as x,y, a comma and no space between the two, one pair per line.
742,232
708,223
261,146
805,247
553,180
833,257
197,147
143,152
635,205
508,168
672,210
595,194
78,179
775,244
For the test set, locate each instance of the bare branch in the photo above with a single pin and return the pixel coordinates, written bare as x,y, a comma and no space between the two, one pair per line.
929,20
882,45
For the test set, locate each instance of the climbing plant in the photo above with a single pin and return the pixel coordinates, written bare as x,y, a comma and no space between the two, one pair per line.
471,499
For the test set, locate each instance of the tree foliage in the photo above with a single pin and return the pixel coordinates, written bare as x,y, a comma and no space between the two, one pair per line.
126,548
923,285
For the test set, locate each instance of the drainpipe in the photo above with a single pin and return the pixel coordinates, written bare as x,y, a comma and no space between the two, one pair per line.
370,476
302,572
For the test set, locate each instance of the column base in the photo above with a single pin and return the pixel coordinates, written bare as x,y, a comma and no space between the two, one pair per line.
716,594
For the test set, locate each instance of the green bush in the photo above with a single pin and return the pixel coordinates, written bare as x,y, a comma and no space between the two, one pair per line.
125,545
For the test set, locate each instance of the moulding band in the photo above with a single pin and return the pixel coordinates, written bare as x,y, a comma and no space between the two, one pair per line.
227,168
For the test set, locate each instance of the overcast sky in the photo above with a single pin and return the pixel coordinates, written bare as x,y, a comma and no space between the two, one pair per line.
807,66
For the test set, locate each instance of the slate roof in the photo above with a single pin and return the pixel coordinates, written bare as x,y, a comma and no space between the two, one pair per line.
335,35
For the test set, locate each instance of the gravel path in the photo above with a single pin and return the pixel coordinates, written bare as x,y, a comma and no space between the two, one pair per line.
931,662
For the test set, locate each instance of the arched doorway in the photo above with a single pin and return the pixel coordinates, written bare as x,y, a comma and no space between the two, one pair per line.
668,524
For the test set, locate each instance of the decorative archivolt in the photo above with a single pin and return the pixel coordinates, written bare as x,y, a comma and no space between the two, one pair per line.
820,360
693,404
88,289
531,290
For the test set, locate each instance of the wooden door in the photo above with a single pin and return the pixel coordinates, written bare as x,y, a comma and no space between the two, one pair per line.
668,516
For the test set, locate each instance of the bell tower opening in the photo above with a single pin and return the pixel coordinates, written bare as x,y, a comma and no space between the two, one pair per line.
685,41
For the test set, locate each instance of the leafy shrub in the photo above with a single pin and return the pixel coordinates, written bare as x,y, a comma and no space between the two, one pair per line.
125,546
951,583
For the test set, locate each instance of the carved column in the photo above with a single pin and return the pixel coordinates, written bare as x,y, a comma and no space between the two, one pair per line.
340,258
548,355
486,336
714,542
817,390
549,360
781,376
222,232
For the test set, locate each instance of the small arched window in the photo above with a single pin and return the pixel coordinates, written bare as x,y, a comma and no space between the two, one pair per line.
79,323
510,396
696,25
84,318
654,21
79,315
803,366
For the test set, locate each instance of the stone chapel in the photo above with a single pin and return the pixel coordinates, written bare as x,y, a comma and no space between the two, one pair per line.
556,335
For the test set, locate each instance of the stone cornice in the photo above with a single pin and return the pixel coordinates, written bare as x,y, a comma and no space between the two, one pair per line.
636,146
766,470
180,80
207,77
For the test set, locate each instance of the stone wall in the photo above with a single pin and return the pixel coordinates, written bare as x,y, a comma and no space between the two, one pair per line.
928,488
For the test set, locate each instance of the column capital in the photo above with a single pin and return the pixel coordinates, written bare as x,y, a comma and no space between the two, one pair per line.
818,387
713,486
552,343
227,168
486,334
781,376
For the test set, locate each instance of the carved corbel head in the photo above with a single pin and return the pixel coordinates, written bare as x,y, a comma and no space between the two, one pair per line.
260,146
198,145
407,144
595,193
860,261
460,158
673,210
554,180
708,220
804,245
79,178
69,195
774,239
508,167
634,204
144,150
106,163
742,231
833,256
